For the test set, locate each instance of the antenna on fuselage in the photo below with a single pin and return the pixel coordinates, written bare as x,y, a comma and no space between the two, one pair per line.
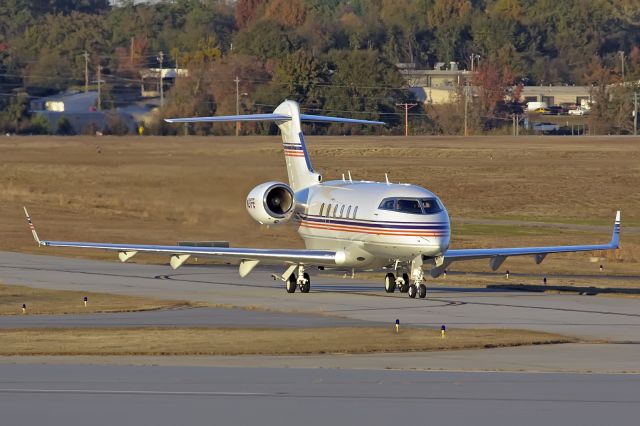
349,172
343,178
386,177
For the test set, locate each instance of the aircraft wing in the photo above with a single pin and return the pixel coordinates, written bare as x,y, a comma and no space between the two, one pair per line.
498,255
249,257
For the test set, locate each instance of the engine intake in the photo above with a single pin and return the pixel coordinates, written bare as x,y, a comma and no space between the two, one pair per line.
271,203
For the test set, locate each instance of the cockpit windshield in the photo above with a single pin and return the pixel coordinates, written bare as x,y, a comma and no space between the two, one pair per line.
411,205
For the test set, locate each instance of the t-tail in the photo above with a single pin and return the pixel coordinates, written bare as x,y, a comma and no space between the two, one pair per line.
288,118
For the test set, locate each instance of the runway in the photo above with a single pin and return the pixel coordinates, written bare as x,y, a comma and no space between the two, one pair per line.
322,389
108,395
588,317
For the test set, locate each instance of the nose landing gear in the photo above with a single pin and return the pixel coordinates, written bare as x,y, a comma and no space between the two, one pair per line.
415,287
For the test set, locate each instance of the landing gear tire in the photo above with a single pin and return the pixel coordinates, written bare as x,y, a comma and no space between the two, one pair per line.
422,291
404,288
413,290
390,283
292,283
306,286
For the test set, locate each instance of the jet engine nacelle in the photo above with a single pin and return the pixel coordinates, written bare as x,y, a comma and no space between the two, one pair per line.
271,203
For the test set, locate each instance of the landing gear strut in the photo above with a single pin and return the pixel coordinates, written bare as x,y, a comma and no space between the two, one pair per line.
305,283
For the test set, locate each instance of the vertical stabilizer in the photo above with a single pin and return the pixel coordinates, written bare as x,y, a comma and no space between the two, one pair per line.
299,169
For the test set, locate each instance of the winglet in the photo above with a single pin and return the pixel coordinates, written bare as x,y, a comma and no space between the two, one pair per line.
33,228
615,238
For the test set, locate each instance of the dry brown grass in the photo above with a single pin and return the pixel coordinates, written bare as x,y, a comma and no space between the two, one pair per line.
161,190
205,341
42,301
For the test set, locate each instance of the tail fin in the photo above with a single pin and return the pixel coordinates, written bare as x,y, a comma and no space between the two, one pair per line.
615,237
288,118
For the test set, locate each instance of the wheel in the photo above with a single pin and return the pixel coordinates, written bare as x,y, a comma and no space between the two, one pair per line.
304,288
412,291
390,283
292,283
404,288
422,291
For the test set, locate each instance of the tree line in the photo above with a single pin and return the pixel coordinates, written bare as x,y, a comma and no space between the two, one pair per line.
333,56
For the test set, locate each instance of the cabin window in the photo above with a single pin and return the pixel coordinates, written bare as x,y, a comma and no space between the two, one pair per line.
341,210
335,211
321,209
348,212
328,210
355,211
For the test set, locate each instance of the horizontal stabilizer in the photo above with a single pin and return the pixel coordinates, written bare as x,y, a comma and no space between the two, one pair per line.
270,117
226,118
327,119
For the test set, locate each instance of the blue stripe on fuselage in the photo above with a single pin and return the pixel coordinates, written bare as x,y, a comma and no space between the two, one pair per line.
439,226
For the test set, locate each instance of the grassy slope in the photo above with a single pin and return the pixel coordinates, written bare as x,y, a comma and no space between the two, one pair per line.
203,341
151,190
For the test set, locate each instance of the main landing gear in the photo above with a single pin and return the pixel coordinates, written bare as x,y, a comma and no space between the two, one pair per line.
301,281
391,282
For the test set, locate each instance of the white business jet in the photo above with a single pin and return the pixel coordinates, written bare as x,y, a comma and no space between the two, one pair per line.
346,225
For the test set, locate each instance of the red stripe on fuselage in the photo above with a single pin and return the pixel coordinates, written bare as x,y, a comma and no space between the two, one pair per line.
375,231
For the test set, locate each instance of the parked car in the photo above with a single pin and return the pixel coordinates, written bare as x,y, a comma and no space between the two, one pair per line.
578,111
555,110
545,127
542,110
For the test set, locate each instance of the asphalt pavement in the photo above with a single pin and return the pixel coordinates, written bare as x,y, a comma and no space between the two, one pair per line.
107,395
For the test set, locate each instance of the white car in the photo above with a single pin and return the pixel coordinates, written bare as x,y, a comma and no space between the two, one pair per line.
545,127
578,111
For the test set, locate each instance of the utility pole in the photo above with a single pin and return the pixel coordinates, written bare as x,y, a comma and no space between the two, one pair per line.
406,107
131,52
161,60
622,63
474,56
99,87
466,108
86,71
635,113
237,81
